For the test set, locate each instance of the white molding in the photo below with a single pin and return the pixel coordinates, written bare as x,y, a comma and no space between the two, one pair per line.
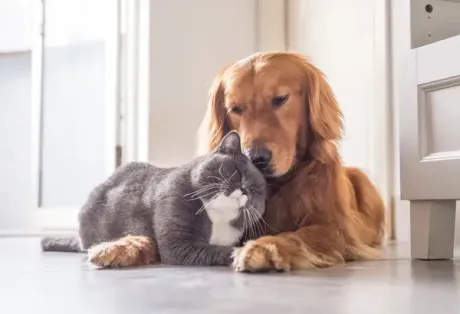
270,24
137,80
36,108
35,232
14,52
130,80
144,80
112,79
381,122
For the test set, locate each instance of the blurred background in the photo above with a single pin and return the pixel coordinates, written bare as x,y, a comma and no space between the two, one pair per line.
86,85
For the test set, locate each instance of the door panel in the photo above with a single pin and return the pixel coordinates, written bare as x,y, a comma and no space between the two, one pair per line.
75,101
73,123
442,106
430,122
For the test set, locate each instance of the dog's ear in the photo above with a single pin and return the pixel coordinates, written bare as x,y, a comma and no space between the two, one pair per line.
214,125
324,117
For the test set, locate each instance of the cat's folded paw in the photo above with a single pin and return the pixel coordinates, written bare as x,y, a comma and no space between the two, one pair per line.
125,252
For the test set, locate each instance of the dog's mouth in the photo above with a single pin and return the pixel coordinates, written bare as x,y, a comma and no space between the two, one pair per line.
266,169
270,171
280,176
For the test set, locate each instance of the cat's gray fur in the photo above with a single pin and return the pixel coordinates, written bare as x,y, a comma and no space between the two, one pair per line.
141,199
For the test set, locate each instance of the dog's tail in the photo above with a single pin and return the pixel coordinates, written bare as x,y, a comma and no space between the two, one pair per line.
61,244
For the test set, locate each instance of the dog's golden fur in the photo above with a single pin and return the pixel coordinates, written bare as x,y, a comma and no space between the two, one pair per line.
324,213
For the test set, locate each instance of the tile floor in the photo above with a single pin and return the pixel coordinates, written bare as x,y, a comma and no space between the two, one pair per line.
35,282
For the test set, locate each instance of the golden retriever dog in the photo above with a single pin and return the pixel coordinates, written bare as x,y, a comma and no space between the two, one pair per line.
319,213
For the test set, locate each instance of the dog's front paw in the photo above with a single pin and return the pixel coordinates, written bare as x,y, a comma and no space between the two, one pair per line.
259,256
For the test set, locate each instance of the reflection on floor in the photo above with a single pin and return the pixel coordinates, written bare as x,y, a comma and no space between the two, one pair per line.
33,282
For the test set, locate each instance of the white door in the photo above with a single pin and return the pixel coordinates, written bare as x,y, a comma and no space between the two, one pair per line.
430,122
430,145
75,101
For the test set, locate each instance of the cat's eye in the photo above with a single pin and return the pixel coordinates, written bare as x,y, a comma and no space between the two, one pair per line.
238,110
235,176
278,101
231,174
255,191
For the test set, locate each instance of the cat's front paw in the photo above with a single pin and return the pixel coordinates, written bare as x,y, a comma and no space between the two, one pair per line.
125,252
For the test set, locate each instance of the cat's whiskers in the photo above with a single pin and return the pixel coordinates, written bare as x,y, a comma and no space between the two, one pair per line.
206,204
252,224
232,175
244,220
203,188
252,233
262,219
222,175
258,219
203,195
200,192
256,224
220,179
248,225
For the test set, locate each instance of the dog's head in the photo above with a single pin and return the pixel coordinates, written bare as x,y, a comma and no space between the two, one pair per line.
282,107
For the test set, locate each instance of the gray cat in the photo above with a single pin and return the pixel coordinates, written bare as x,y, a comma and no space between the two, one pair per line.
194,214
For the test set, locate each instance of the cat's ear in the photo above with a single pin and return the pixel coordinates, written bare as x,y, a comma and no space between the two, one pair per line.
230,144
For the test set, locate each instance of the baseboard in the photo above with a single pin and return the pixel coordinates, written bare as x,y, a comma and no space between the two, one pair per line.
24,233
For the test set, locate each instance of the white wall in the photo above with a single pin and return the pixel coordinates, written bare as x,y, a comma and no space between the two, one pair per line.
339,38
192,40
205,32
349,42
400,43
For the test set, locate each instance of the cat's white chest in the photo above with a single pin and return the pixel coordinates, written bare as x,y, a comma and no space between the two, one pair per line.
221,211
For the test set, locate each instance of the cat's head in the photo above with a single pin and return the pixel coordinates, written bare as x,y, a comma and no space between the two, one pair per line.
227,171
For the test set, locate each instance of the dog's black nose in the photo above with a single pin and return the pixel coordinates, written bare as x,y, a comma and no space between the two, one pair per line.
260,156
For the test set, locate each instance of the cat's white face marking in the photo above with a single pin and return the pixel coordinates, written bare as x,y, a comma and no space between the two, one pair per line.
238,194
221,211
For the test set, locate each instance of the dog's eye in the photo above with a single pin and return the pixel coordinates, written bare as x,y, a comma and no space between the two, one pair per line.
237,110
278,101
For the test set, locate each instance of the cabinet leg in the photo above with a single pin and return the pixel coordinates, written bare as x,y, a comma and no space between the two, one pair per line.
432,229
